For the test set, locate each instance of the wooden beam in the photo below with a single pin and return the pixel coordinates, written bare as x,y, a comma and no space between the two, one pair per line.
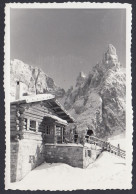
28,124
62,134
62,116
56,107
13,129
51,100
49,104
44,104
61,112
13,107
37,114
55,135
37,127
13,117
37,111
32,117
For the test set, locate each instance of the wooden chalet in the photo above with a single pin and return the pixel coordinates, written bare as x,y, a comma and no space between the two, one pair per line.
39,115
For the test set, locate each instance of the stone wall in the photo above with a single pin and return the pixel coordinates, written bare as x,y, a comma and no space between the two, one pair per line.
90,154
64,153
75,155
26,154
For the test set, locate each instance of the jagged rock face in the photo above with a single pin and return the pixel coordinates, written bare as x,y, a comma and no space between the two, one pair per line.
35,79
99,101
113,95
90,108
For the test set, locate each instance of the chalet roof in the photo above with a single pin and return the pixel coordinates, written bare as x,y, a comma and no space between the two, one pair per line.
52,103
33,98
60,111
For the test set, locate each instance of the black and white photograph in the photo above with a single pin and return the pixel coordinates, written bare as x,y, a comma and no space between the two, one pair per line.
67,80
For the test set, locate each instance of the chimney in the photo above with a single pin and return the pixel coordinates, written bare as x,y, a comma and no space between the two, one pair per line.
19,90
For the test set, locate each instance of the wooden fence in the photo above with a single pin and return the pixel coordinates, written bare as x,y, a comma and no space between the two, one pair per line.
106,146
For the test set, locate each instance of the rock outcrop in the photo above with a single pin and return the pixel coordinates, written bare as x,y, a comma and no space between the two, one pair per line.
34,79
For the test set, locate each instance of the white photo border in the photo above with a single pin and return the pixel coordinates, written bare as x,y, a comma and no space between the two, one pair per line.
129,111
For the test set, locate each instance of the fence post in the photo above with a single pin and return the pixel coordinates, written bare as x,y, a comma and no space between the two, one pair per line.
118,150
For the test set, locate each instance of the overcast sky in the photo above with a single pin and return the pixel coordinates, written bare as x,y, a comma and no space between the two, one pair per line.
64,42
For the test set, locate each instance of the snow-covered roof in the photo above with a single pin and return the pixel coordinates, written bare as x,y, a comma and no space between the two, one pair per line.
34,98
52,103
57,118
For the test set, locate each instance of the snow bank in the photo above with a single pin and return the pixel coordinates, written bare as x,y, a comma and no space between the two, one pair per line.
109,171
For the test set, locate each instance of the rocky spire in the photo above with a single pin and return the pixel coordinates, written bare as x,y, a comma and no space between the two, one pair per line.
110,55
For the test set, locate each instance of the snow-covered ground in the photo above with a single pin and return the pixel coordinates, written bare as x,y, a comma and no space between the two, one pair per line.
107,172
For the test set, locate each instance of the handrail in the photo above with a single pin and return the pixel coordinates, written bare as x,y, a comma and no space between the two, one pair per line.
94,140
107,146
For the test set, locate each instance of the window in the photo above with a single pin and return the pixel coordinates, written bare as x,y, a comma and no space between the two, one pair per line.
32,125
89,153
49,130
58,130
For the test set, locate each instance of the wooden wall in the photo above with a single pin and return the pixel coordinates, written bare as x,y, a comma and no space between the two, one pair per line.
14,121
24,114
